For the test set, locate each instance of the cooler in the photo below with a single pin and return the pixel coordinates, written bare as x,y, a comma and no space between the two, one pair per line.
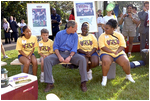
26,91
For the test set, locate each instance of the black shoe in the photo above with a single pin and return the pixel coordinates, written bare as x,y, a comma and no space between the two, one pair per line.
49,87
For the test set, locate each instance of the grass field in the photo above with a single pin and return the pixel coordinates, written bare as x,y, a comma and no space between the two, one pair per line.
67,82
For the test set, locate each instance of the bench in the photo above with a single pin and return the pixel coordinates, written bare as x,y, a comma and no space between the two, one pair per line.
111,73
3,63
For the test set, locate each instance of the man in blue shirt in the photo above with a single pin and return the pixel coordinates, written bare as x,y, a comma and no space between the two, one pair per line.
55,18
65,48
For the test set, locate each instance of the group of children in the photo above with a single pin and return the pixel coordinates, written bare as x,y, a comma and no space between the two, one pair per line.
87,46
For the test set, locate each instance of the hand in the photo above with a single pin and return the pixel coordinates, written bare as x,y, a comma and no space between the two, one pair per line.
144,9
87,54
67,60
124,15
130,15
29,57
61,59
116,53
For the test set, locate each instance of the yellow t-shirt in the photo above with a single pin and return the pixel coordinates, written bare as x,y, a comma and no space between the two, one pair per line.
45,47
111,43
26,45
87,43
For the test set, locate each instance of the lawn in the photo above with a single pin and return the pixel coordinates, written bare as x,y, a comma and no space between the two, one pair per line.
67,82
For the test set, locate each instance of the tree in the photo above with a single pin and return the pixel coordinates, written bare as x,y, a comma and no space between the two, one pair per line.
18,9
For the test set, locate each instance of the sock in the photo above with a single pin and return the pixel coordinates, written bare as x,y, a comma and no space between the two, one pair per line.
129,77
42,73
104,81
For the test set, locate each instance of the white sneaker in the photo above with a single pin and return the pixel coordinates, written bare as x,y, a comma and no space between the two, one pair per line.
129,77
89,74
104,81
4,57
42,77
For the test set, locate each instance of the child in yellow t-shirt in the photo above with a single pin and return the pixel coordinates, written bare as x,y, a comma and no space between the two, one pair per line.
111,44
45,48
87,46
25,46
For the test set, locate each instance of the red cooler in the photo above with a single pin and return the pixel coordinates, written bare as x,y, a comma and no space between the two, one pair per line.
24,91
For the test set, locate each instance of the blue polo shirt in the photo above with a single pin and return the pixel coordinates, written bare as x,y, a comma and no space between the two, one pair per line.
64,41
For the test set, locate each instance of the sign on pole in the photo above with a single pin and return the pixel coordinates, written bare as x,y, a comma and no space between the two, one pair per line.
85,12
39,17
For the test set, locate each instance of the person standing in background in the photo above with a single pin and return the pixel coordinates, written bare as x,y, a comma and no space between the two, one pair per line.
6,27
22,25
144,26
99,13
100,22
134,10
11,33
129,28
14,28
71,17
55,18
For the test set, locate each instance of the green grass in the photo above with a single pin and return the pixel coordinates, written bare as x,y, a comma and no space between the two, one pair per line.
67,82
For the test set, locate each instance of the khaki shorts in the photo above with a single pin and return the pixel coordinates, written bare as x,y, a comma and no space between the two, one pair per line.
129,33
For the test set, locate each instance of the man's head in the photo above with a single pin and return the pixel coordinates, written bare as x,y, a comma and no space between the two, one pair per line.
11,17
129,8
146,5
99,11
44,34
71,26
54,11
134,9
14,18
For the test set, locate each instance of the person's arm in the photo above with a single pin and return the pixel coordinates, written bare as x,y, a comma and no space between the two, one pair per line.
122,18
41,55
119,50
8,27
107,50
88,54
142,15
81,51
22,53
133,19
61,59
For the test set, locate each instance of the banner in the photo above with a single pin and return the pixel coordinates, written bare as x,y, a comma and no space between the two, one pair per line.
85,12
39,17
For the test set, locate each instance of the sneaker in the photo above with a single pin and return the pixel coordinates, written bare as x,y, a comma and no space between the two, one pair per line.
129,77
42,77
89,74
4,57
104,81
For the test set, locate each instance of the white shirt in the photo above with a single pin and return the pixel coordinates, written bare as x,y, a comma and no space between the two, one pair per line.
106,18
100,20
22,24
5,25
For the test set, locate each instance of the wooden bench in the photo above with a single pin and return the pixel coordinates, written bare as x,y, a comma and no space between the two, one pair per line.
3,63
111,73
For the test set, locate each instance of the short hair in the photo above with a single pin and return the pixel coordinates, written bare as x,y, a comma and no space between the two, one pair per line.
44,31
85,24
99,10
130,5
146,2
135,8
71,23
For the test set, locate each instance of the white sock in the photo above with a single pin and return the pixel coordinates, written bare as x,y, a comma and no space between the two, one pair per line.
129,77
104,81
42,73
